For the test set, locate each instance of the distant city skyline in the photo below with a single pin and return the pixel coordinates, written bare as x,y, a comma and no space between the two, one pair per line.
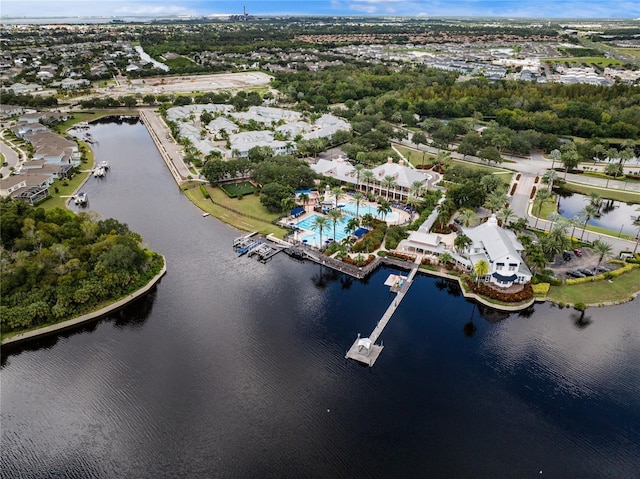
592,9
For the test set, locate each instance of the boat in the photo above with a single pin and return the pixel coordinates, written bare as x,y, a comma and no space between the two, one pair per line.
104,164
81,199
98,172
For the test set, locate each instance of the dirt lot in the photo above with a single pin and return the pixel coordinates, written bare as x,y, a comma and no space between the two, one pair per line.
190,83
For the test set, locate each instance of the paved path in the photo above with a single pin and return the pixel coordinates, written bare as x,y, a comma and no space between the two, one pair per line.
170,151
522,196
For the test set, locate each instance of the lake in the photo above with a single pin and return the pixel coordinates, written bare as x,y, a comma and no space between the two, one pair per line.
233,368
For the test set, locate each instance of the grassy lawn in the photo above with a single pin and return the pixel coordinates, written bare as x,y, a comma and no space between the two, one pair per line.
249,205
608,193
634,52
619,289
238,189
598,61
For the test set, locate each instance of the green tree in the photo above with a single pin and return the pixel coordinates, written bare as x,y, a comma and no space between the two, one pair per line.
337,192
555,155
359,199
490,154
505,214
445,258
368,176
462,241
468,217
570,158
481,269
318,224
335,216
603,250
587,213
389,182
542,196
418,139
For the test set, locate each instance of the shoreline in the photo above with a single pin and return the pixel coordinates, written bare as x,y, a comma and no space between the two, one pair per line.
92,316
344,267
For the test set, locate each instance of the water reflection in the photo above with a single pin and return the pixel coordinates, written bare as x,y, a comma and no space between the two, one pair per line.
613,215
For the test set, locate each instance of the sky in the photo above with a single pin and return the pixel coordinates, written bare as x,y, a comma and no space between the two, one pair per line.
429,8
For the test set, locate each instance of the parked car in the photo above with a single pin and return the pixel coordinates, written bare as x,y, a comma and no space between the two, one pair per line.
566,255
586,272
577,252
602,269
575,274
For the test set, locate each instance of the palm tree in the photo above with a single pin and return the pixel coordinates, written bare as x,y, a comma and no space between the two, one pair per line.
595,199
481,269
636,223
442,159
505,214
383,208
414,202
416,188
553,217
556,241
368,219
555,155
598,151
335,215
445,258
318,224
389,182
468,217
337,193
603,249
587,213
574,223
462,241
357,172
304,198
495,200
536,260
542,196
352,225
359,197
611,170
368,176
550,177
287,203
570,158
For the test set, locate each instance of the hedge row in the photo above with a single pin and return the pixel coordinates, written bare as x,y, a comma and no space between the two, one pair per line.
403,257
359,261
610,274
204,191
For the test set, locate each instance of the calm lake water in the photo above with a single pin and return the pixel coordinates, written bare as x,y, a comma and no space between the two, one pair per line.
614,215
232,368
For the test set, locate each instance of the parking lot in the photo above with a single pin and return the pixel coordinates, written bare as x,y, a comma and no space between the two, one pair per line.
588,260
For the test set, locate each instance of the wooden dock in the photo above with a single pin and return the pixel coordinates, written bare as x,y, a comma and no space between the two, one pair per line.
365,350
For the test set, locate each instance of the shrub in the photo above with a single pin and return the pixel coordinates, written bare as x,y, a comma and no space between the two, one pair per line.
541,289
533,193
487,291
518,177
513,188
204,191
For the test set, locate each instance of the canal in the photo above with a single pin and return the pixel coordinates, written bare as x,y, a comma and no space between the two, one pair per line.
232,368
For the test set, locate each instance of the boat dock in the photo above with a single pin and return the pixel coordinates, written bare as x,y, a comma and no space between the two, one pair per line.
365,350
262,249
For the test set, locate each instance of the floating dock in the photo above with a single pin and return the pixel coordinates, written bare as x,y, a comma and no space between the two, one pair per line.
365,350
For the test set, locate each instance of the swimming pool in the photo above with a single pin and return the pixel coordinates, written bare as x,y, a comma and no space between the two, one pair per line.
392,216
312,235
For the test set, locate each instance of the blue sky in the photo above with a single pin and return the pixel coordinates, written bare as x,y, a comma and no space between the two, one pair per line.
433,8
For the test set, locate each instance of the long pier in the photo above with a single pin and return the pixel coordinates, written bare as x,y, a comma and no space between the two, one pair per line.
365,350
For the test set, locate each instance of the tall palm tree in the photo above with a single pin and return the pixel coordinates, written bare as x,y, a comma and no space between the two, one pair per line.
319,223
389,182
335,216
416,188
555,155
598,152
587,213
462,241
556,241
570,158
304,198
481,269
575,222
550,177
357,172
553,217
603,249
442,159
414,202
384,206
595,199
359,197
505,214
636,223
368,176
542,196
337,193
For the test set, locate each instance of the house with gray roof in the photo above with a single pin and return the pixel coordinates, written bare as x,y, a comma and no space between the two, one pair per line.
403,176
501,250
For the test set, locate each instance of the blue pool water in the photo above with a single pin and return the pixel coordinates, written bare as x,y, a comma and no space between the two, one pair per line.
350,208
312,235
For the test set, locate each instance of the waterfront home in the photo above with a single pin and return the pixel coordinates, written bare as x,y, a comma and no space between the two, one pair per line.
32,189
501,249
